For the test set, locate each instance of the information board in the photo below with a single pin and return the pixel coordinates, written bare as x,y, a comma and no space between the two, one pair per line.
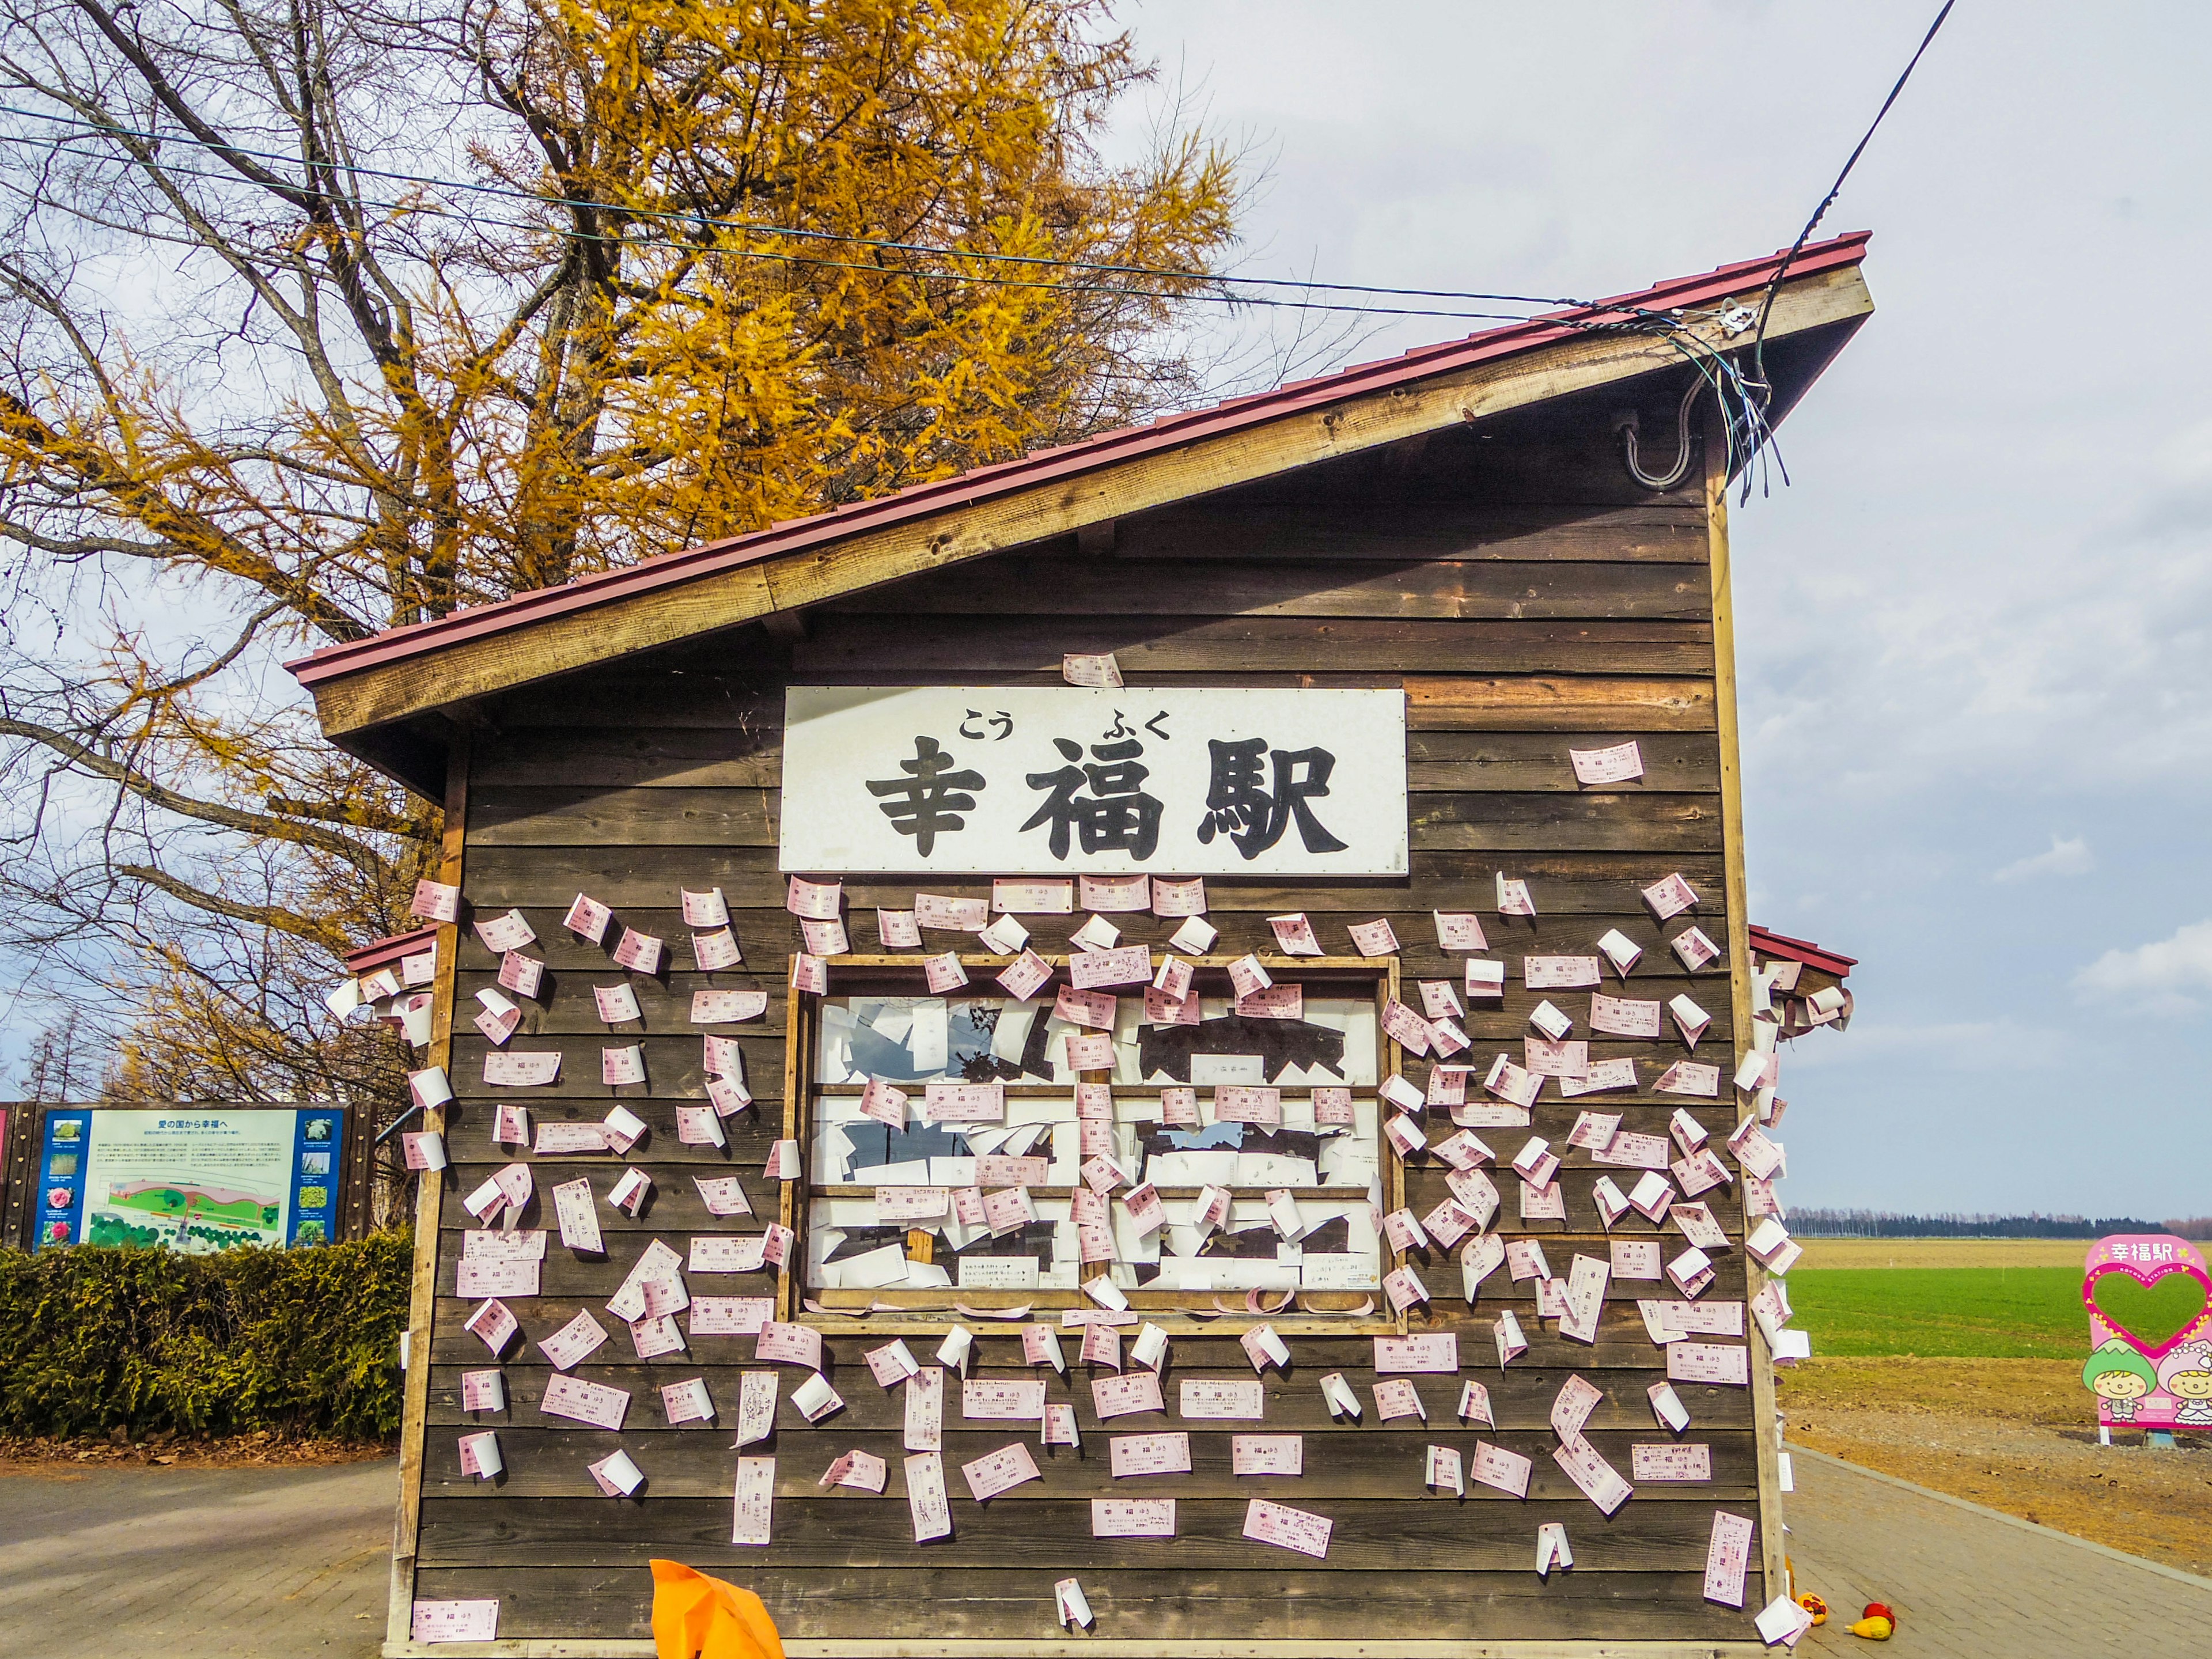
192,1178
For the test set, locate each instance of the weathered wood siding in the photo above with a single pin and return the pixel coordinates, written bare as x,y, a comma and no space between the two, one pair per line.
1525,594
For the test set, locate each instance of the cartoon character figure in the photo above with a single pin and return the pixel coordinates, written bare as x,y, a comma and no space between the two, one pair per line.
2120,1376
2186,1374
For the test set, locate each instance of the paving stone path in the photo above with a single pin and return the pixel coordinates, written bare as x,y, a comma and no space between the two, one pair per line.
291,1563
1969,1584
108,1563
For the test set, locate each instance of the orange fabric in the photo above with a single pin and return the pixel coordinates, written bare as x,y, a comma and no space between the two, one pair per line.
696,1617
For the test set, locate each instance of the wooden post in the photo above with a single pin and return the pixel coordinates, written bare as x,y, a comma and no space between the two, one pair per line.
429,1196
1765,1438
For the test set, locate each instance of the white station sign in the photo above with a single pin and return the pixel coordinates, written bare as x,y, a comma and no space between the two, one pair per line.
1045,779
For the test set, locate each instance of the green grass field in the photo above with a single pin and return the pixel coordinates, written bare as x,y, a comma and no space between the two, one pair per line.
1966,1313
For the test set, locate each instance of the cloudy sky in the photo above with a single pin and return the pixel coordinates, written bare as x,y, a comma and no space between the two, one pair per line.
1977,687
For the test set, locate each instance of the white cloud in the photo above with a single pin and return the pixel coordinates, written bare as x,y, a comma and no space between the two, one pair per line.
2065,858
1962,1046
2162,971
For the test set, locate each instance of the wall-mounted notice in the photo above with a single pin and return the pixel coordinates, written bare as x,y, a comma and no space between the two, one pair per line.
192,1178
1021,779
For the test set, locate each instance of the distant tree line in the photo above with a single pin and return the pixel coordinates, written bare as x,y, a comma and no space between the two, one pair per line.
1884,1223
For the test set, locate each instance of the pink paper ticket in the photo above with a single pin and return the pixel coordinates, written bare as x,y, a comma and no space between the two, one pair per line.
1276,1002
1406,1029
1617,764
1671,1462
1033,898
1598,1479
1150,1454
504,1070
1727,1558
789,1345
1116,894
883,1103
756,1406
1178,898
755,1500
926,1498
557,1138
1287,1527
520,973
896,930
1624,1017
1235,1103
731,1316
1604,1075
924,1422
1092,1051
996,1170
1120,1396
474,1277
454,1621
1240,1398
1670,897
1398,1398
1630,1150
964,1102
1267,1453
1004,1212
952,915
1094,1009
861,1470
1131,965
1495,1466
999,1471
1029,973
1705,1362
1635,1258
573,1342
1016,1398
585,1402
1437,1351
896,1205
1133,1517
494,1324
1572,1405
1560,973
943,973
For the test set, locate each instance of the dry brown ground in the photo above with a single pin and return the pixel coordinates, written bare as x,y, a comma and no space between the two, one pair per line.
2017,1435
267,1449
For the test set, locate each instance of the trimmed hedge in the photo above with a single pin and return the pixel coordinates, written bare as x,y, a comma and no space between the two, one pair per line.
301,1341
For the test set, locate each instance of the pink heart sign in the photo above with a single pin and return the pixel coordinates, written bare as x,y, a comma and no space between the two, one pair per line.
2148,1258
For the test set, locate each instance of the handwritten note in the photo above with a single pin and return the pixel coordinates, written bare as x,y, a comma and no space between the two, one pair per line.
1671,1462
926,1498
1287,1529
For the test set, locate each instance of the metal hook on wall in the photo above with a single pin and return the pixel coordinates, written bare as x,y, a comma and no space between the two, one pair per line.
1626,422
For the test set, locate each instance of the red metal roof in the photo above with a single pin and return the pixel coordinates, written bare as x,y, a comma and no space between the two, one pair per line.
384,952
1107,449
1769,943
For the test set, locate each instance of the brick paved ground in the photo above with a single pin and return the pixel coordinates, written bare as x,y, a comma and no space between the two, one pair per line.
1969,1585
195,1564
291,1563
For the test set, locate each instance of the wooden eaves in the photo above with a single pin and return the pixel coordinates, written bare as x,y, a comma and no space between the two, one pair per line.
395,699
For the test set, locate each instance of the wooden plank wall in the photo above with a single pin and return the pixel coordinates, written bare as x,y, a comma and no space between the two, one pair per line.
1525,594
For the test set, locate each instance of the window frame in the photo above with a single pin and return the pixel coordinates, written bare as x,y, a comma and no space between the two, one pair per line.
1180,1312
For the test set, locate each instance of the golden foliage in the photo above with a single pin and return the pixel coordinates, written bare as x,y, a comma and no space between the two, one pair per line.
687,302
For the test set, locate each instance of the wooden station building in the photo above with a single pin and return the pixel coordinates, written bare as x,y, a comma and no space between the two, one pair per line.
1362,620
